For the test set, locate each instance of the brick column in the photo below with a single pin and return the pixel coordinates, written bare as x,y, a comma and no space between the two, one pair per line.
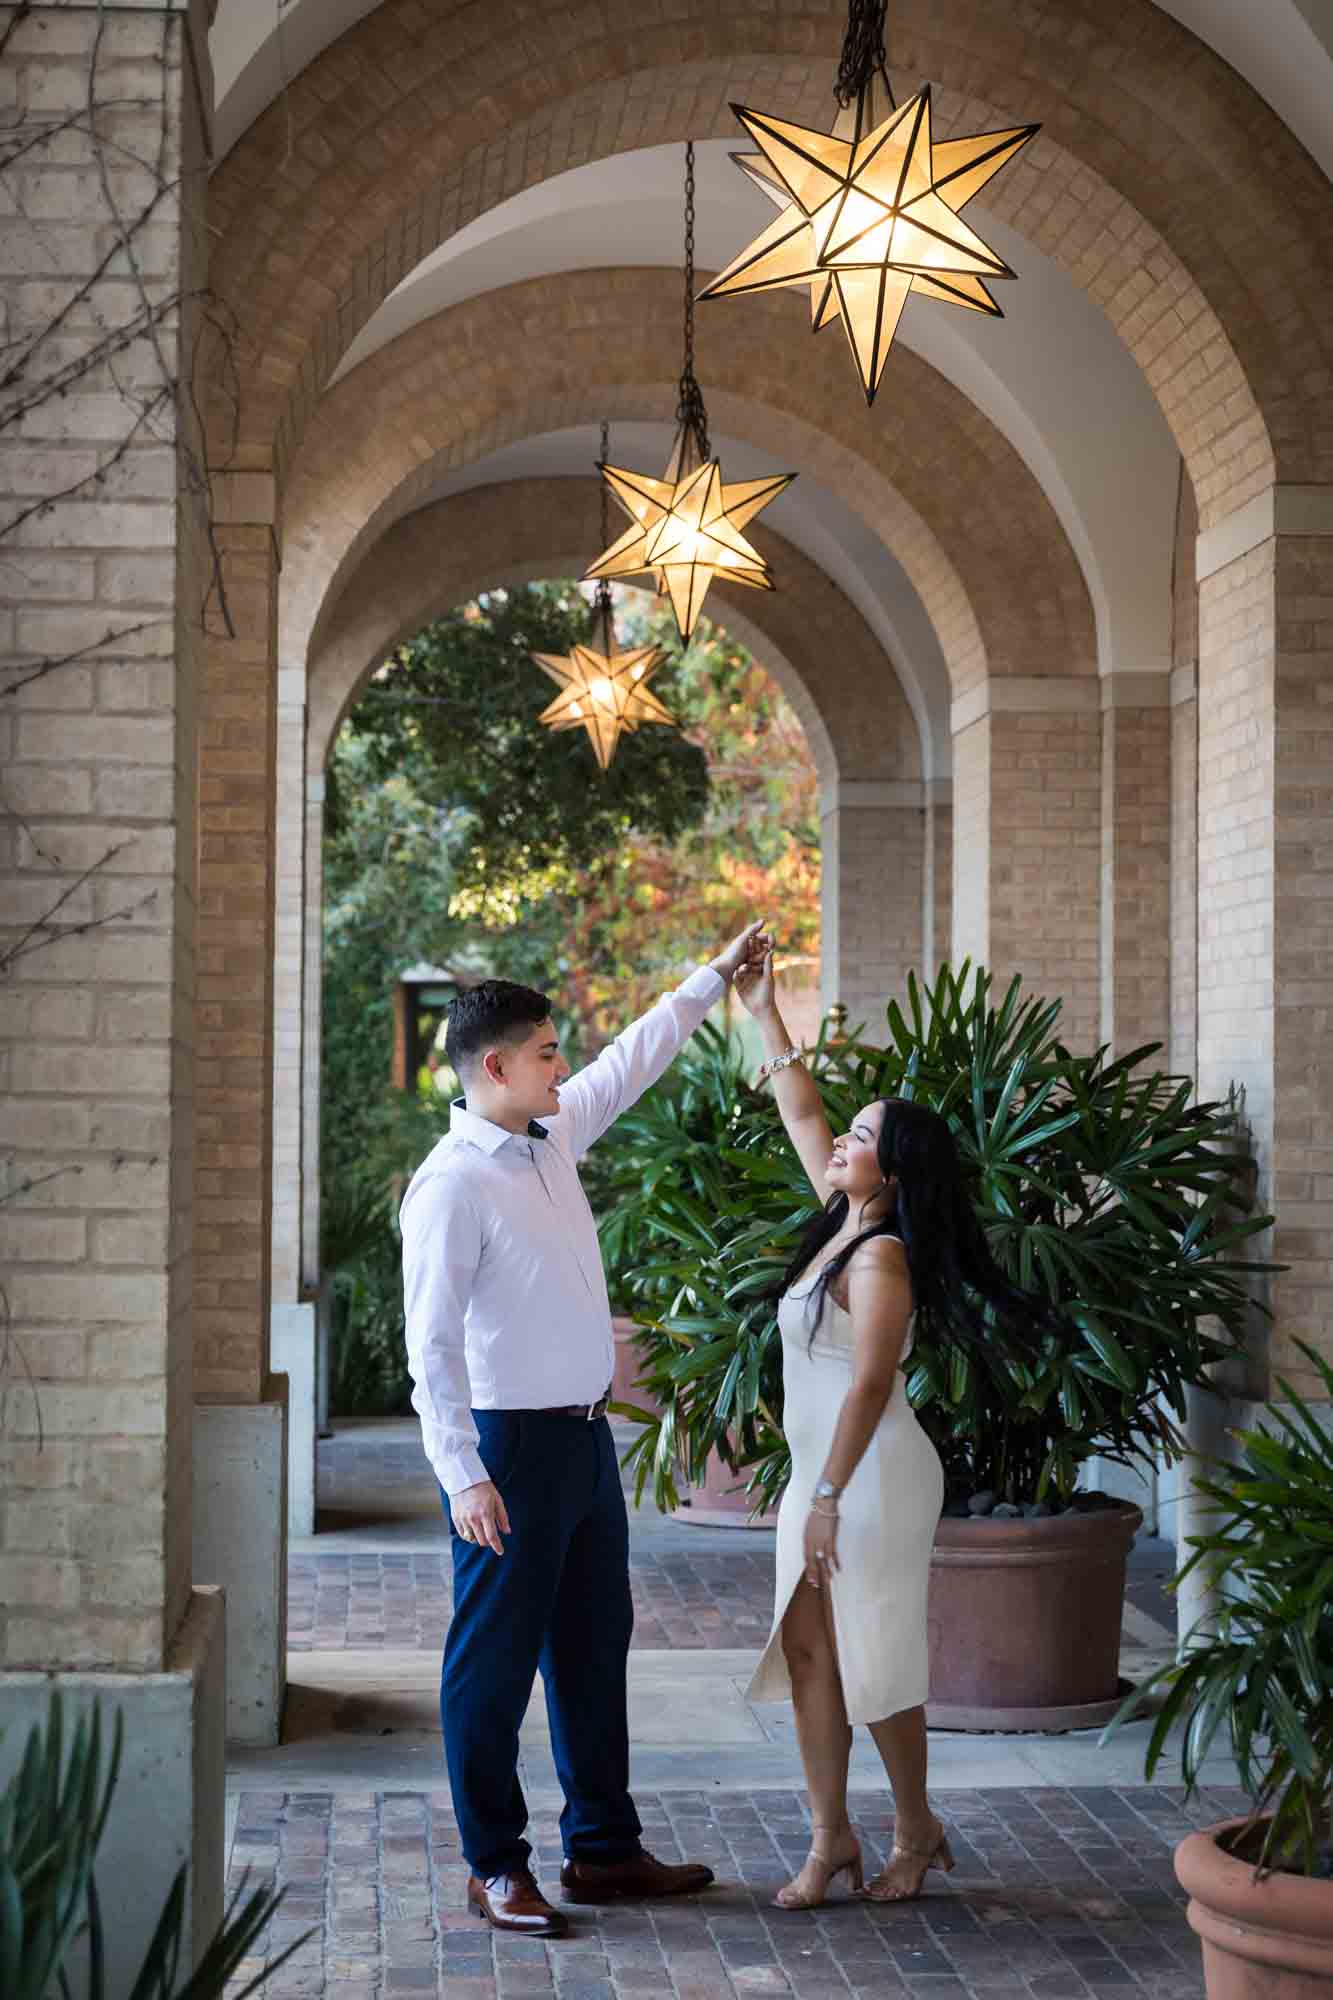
1134,944
1184,789
873,837
1027,838
937,916
240,1445
1266,881
102,588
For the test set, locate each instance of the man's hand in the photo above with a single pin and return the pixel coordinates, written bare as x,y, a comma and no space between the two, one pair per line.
747,949
479,1515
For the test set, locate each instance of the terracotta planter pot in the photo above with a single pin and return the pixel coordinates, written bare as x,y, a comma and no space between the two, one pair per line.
1025,1620
714,1505
628,1363
1269,1940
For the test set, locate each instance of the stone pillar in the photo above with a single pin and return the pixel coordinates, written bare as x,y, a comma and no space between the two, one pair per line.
1135,930
1266,883
240,1449
1027,839
103,578
873,872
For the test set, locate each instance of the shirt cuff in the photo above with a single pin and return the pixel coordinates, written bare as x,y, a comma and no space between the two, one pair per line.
459,1470
703,984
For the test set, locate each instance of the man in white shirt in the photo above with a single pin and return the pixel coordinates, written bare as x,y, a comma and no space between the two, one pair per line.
510,1348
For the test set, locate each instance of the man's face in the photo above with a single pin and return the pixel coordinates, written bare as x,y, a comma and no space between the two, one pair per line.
530,1072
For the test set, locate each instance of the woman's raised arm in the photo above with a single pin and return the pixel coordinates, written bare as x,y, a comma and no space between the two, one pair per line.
797,1099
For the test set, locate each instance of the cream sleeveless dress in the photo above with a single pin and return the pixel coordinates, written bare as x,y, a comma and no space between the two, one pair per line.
887,1517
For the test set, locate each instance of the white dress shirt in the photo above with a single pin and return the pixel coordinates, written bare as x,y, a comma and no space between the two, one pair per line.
504,1293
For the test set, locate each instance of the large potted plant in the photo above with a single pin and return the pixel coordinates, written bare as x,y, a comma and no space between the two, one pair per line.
1260,1669
1099,1182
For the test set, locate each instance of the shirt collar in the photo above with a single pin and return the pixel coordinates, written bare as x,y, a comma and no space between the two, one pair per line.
481,1132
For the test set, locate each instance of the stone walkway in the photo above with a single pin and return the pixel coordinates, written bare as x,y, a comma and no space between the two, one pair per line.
1063,1889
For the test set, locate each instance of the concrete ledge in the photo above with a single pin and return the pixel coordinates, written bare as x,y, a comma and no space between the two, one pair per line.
240,1542
293,1337
168,1805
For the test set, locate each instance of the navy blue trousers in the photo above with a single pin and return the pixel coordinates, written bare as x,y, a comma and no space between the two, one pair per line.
558,1599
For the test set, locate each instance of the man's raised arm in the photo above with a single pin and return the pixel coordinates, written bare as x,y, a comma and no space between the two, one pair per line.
594,1098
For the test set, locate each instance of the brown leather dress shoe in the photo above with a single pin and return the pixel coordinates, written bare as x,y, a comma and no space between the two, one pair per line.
514,1903
642,1875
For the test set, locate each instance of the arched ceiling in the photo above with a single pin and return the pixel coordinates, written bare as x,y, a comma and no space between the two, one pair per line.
1052,377
1106,460
1283,48
816,521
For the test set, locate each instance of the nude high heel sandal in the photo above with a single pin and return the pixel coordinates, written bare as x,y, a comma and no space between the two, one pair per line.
939,1856
791,1898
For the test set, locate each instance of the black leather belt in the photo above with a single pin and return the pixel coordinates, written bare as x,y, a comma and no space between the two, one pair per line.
588,1413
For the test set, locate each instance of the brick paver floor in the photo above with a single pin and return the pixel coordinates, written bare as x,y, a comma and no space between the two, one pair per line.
391,1600
1059,1894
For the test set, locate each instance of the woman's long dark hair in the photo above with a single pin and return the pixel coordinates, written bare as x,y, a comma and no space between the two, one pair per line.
958,1290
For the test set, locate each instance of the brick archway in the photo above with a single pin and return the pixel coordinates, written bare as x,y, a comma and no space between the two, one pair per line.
1162,183
938,484
862,734
827,661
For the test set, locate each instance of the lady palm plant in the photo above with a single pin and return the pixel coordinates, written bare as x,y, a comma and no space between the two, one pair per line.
1261,1665
1100,1183
53,1813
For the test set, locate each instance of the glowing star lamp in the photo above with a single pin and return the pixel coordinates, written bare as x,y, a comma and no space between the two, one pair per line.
687,527
869,212
602,689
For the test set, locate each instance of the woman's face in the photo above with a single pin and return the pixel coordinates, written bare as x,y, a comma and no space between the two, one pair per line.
854,1168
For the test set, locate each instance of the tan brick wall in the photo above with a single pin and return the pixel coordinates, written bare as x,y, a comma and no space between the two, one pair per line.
335,195
873,861
96,1026
1302,1167
938,921
233,1088
1237,631
971,843
1184,789
1027,822
288,983
1136,874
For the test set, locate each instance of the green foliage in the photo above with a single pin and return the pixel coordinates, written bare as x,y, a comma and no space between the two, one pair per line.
1263,1666
53,1813
1100,1185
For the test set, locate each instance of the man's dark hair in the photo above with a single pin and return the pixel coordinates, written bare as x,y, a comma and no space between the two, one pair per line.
496,1010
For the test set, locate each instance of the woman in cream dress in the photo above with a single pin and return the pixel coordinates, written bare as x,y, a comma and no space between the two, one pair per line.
897,1237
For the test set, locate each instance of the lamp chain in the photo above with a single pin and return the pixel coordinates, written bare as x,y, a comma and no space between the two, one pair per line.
602,601
864,48
690,411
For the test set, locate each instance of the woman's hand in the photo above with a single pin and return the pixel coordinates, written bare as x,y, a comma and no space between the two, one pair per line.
754,982
821,1545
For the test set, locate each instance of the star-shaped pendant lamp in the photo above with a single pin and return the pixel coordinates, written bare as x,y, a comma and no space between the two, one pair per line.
688,526
869,212
602,689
